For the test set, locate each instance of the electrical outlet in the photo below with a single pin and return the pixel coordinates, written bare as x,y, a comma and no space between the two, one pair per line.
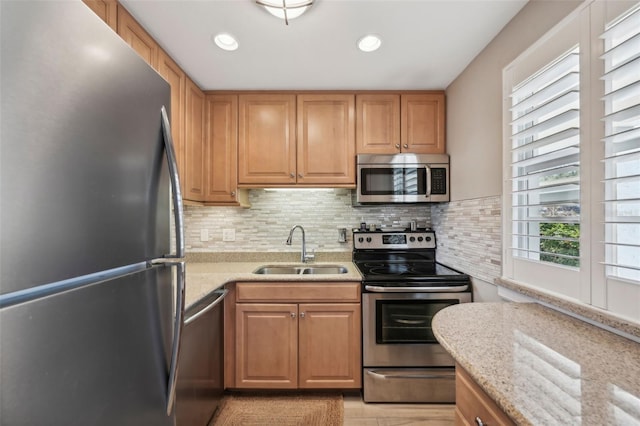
204,235
228,235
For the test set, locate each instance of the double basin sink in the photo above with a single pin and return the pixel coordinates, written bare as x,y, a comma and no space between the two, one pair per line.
300,270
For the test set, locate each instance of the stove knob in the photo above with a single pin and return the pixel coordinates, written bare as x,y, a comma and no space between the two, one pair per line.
412,239
360,239
420,239
427,239
368,239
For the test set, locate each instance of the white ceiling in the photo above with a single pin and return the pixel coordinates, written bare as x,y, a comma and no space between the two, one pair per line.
426,44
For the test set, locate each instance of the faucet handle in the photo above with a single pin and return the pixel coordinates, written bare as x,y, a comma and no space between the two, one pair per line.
309,257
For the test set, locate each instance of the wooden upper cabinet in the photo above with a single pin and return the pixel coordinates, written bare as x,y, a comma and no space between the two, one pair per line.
267,139
176,78
194,143
136,37
377,123
326,139
107,10
222,149
422,128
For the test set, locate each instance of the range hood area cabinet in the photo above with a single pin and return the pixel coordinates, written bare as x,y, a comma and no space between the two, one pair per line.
394,123
296,139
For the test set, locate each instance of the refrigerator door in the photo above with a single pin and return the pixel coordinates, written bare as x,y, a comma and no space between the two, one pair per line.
97,355
84,181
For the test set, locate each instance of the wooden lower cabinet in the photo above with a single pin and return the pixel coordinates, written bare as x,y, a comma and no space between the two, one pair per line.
473,406
296,345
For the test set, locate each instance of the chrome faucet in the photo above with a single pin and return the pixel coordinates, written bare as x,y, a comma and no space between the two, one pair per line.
304,257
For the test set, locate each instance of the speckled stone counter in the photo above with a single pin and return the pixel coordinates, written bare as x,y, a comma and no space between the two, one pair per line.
543,367
204,277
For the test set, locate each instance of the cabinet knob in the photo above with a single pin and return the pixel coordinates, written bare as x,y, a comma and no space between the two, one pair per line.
233,193
479,421
405,145
291,175
300,175
293,314
301,314
398,145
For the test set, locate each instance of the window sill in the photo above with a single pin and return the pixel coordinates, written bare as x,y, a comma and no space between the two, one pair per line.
591,314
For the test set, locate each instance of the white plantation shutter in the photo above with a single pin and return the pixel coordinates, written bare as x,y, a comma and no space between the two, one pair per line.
545,163
622,146
571,216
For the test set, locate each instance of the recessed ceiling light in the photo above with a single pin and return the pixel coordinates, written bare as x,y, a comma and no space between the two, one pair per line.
369,43
225,41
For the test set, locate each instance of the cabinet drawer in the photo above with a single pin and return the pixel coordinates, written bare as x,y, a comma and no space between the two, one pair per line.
298,292
472,402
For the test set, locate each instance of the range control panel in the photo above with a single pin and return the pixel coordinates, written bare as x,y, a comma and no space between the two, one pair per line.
394,240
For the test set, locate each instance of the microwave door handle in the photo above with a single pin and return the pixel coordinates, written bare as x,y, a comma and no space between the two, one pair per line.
428,178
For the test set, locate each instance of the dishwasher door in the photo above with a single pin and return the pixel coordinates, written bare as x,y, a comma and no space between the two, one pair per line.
200,368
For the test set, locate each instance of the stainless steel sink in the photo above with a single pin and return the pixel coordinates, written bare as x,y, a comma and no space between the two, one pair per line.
295,270
268,270
328,269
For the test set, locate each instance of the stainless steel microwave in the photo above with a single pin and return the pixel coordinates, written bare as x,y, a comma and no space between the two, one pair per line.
402,178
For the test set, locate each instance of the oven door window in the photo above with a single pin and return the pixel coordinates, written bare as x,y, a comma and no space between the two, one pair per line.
407,321
393,181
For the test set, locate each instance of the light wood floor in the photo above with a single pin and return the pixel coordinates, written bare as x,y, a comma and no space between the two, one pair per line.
358,413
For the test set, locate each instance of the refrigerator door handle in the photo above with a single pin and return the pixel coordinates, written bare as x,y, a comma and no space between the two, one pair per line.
177,335
178,212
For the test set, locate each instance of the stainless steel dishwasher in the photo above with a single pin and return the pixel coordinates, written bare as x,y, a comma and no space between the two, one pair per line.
200,367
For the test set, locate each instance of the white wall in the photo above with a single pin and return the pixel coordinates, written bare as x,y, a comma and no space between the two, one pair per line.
474,101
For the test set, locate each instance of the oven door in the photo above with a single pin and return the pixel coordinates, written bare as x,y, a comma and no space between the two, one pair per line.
397,329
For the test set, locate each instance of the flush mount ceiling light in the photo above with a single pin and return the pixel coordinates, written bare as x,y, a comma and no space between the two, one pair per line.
369,43
286,9
225,41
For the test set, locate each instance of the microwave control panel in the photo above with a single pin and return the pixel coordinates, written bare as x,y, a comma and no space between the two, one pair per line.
438,180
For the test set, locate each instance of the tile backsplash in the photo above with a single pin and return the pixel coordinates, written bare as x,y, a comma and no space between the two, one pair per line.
468,232
265,226
469,236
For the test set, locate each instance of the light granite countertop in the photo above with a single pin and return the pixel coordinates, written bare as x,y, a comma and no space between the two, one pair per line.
204,277
543,367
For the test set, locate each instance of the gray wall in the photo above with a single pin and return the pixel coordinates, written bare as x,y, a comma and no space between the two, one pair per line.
474,101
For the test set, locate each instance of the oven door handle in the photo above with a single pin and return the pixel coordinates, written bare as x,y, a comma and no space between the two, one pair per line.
383,289
410,376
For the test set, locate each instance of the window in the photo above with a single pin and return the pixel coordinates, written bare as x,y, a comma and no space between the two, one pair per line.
571,216
622,146
545,166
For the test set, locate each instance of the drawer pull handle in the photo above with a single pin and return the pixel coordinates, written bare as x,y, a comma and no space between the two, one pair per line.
479,421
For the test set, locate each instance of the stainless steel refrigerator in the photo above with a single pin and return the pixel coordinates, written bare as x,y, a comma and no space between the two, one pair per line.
91,298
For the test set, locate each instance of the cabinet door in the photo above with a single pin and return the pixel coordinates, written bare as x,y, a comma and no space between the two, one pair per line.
222,149
176,78
377,124
266,346
107,10
326,139
422,128
267,139
136,37
473,404
330,348
194,144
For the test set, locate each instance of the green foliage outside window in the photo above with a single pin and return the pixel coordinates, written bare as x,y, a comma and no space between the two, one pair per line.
551,248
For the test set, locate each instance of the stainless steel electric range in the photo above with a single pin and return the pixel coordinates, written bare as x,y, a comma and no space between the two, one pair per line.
403,288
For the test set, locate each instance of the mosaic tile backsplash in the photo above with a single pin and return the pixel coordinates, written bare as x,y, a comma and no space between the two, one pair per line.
468,232
265,226
469,236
